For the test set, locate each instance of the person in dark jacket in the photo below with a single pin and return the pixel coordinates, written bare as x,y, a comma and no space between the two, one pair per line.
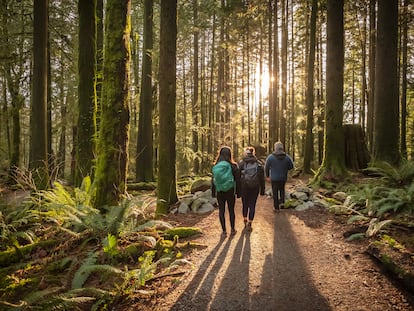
278,163
250,191
229,196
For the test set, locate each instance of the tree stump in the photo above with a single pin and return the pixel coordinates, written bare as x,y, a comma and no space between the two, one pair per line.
356,151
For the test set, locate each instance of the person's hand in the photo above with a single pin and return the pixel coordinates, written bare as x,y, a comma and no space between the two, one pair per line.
268,179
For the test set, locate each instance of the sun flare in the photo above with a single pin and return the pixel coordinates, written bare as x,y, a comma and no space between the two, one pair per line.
262,84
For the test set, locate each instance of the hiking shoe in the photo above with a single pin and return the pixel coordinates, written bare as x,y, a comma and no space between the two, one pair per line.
249,226
233,231
245,223
281,206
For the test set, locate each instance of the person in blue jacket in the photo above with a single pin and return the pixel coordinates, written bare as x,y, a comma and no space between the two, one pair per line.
278,163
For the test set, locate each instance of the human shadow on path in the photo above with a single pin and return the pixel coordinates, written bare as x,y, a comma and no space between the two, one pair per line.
291,284
225,279
197,294
233,292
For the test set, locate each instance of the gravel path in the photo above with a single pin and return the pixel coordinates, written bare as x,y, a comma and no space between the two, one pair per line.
290,261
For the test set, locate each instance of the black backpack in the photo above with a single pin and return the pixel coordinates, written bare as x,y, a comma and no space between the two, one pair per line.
250,175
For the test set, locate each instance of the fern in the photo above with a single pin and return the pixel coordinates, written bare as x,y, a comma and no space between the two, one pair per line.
81,275
110,245
75,299
35,297
147,268
356,218
393,176
355,236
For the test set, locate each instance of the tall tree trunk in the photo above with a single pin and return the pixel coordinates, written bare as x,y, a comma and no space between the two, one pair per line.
404,65
371,73
274,104
144,158
167,187
386,112
308,154
13,79
292,119
86,91
221,99
38,120
211,110
260,97
50,154
196,99
320,94
112,162
363,106
61,153
99,59
333,164
284,52
248,102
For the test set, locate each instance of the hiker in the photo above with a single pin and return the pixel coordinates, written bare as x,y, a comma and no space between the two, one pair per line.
226,186
253,183
278,163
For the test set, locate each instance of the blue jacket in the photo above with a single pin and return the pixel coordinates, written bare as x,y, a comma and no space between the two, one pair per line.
277,166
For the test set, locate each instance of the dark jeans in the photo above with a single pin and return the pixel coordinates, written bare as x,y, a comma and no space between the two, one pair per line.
230,198
249,199
278,189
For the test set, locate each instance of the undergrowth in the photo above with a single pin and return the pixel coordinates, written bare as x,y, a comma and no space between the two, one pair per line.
96,258
384,199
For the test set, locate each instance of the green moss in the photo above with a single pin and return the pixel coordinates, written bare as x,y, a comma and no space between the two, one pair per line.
12,256
332,201
182,232
191,245
291,203
13,283
391,242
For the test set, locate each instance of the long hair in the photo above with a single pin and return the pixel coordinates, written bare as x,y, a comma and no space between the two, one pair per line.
224,154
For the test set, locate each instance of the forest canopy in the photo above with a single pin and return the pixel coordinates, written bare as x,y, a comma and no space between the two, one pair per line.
245,73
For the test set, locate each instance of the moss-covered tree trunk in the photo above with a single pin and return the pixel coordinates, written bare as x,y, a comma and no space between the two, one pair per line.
386,112
111,170
167,187
308,152
38,120
86,91
99,58
144,158
333,163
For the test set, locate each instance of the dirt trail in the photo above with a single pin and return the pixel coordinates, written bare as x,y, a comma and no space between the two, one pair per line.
290,261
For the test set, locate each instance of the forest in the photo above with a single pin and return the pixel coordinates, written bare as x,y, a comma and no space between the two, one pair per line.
111,107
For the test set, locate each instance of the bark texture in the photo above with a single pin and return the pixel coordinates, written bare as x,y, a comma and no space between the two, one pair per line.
167,187
110,180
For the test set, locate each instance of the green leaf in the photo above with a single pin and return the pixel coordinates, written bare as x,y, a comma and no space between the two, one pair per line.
356,236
